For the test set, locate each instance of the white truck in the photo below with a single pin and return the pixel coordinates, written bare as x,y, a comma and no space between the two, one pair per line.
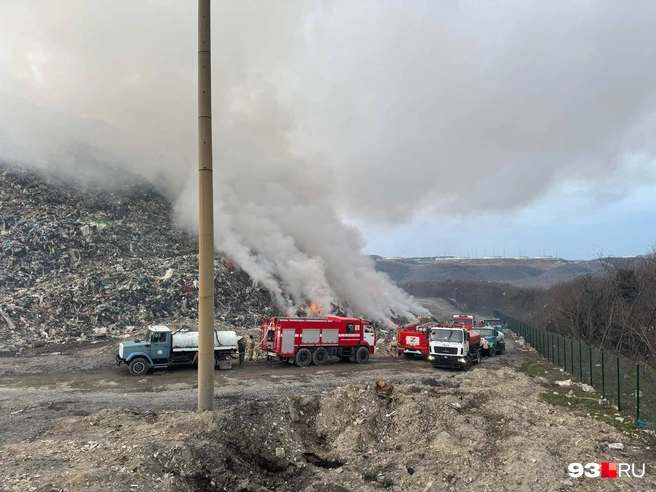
161,348
454,347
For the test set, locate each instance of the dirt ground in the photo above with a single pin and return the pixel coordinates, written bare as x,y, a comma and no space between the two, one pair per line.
70,419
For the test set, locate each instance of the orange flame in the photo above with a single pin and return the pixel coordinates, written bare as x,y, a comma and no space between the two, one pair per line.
316,309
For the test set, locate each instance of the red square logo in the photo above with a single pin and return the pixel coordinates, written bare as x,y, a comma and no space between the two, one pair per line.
608,470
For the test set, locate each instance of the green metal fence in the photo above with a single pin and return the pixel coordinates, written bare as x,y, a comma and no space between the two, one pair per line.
628,384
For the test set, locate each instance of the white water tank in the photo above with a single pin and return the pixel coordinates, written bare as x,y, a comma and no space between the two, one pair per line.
189,339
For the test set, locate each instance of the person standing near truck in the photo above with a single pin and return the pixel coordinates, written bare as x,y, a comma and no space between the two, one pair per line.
250,347
394,347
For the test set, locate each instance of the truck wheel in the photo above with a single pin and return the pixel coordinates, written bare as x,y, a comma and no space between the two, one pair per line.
138,366
493,351
303,357
362,355
502,349
467,365
320,356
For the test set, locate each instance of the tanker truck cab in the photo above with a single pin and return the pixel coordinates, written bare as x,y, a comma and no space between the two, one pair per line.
454,347
148,351
161,348
492,340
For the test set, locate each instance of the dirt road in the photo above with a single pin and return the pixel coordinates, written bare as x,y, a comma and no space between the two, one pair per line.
78,380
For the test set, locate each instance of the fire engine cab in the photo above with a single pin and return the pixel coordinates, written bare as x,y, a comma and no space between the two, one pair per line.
305,341
466,319
413,339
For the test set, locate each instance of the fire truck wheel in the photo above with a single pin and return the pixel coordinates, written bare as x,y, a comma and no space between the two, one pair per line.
467,365
320,356
303,357
362,355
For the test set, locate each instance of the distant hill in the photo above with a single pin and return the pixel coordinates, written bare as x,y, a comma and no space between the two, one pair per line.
521,272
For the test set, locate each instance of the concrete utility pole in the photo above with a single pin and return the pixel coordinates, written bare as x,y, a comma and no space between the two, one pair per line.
206,215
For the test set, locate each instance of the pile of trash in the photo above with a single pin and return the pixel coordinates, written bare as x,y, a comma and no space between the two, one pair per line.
84,260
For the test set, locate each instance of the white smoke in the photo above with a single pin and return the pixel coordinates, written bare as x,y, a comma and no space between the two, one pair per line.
274,216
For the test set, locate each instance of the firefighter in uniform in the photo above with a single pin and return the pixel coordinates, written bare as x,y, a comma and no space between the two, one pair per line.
394,347
250,347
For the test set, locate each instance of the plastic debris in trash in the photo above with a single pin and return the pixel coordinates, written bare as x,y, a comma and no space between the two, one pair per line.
642,423
616,445
586,387
567,382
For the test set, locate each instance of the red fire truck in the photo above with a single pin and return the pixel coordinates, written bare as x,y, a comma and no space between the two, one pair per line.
305,341
466,319
413,340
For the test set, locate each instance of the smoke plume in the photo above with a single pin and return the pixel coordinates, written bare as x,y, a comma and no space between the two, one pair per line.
333,110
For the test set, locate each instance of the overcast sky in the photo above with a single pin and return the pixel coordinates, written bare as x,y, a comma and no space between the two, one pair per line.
435,127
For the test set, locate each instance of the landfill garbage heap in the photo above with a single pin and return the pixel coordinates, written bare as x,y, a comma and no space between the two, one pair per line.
83,260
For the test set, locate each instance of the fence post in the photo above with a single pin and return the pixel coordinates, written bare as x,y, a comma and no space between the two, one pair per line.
571,356
590,357
637,392
564,354
603,376
580,363
619,393
558,349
